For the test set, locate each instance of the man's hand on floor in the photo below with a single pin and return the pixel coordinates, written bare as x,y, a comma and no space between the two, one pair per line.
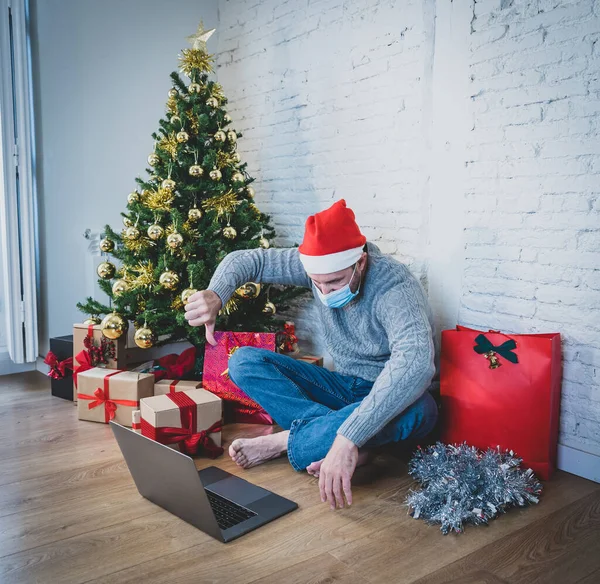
337,470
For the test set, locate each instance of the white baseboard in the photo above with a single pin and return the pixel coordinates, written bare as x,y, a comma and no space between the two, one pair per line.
578,462
7,367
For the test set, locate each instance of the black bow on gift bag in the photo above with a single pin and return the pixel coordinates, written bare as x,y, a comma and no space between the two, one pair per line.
485,347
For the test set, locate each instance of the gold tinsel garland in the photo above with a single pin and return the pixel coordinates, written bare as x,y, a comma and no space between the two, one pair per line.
172,106
217,92
231,306
144,277
137,245
169,144
159,200
177,303
222,204
195,59
193,123
225,159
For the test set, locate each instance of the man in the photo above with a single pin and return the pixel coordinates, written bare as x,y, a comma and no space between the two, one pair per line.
378,329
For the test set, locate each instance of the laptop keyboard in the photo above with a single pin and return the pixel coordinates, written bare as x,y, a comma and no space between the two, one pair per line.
226,512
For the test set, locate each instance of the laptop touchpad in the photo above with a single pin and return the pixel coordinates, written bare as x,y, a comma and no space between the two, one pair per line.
238,490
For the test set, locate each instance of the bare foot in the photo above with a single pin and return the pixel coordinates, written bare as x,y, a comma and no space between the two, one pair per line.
364,455
247,452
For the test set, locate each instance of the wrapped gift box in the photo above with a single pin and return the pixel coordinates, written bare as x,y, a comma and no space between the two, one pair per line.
136,421
189,421
82,360
60,359
111,394
165,386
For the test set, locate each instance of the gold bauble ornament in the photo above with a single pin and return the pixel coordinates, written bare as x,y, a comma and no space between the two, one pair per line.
169,279
182,136
175,120
133,197
153,159
215,174
127,222
119,286
132,233
113,326
194,88
227,118
144,338
250,192
174,240
229,232
264,243
185,295
212,102
168,184
236,157
248,290
106,270
107,245
194,214
237,177
155,232
173,92
92,320
231,136
269,308
220,136
196,170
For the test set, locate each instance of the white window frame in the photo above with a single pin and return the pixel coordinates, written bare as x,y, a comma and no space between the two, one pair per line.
18,199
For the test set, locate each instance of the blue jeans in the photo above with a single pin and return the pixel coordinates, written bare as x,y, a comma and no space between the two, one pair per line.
312,402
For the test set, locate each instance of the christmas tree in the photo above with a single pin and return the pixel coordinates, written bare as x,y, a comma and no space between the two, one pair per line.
195,207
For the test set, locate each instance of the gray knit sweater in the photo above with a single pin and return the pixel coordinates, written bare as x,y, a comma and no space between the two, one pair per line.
384,335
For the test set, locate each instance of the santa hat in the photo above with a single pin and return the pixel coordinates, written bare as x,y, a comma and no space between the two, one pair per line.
332,240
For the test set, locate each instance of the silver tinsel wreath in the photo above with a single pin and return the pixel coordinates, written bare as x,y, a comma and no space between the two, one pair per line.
464,485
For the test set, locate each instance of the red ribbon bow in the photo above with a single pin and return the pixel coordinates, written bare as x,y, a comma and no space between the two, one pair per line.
190,442
101,396
175,366
58,369
85,362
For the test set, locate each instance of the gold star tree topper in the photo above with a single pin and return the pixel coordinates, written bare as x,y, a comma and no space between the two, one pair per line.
198,40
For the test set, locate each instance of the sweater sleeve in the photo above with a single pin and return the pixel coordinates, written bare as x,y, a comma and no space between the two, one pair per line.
268,266
408,372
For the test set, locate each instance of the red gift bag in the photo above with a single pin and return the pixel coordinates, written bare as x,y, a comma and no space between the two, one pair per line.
502,390
215,378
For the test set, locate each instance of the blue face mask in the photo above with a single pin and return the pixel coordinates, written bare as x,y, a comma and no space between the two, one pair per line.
338,298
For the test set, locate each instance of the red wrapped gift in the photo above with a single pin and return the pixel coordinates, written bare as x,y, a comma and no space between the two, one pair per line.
215,376
502,390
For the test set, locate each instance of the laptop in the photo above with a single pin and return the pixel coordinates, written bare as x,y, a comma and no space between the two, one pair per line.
213,500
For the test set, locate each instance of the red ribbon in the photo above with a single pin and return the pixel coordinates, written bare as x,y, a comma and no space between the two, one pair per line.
85,362
101,396
135,426
175,366
58,369
190,442
172,386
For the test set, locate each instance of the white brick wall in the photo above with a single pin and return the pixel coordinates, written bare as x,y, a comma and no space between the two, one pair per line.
533,220
335,99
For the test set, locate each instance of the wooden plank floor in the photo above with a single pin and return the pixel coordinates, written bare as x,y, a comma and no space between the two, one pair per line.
70,513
